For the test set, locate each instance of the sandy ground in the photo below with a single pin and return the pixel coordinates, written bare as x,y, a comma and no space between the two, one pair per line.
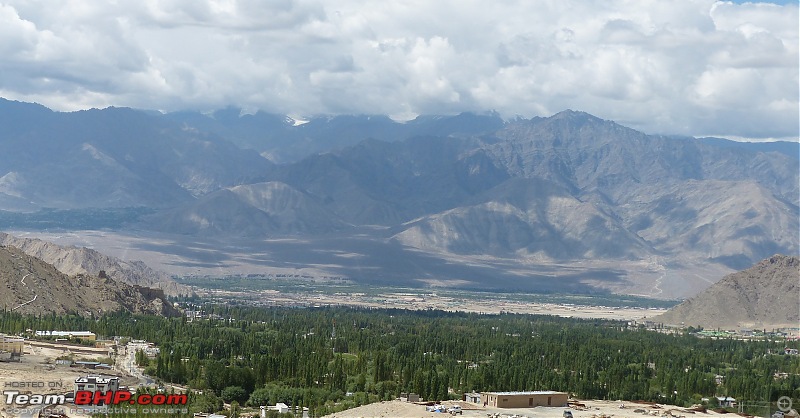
37,373
594,409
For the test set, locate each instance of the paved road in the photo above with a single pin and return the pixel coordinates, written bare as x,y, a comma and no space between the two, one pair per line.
126,362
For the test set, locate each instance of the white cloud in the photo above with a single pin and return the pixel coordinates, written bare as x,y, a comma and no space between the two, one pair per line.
688,67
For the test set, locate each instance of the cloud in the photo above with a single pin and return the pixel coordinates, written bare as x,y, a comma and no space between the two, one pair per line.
694,67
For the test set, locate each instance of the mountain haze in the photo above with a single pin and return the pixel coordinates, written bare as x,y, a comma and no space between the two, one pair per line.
114,157
283,139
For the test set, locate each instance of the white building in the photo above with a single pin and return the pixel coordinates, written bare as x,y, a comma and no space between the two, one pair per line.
96,383
281,407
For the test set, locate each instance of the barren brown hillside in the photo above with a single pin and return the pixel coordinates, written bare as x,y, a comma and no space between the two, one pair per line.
80,260
766,295
31,286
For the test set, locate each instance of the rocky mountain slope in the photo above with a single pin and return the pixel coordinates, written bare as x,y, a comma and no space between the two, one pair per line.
526,217
253,210
73,261
568,187
32,286
763,296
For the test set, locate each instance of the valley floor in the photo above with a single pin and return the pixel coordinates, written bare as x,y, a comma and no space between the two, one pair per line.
375,261
445,301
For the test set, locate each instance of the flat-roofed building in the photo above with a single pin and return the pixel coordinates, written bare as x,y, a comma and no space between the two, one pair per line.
83,335
524,399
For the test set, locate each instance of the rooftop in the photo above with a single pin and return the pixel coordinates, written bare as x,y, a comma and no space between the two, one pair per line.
65,333
93,378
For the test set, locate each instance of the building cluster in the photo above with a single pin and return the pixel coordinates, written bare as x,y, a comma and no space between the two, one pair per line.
282,408
149,349
788,334
192,315
529,399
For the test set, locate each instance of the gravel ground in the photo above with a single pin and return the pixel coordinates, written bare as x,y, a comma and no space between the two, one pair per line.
594,409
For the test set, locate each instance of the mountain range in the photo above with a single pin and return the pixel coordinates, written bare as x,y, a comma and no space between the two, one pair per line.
468,199
115,157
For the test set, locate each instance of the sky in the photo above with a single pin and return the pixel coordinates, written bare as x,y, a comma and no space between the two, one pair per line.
686,67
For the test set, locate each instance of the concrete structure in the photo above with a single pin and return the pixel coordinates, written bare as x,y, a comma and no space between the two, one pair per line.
524,399
96,383
82,335
409,397
471,397
13,345
281,407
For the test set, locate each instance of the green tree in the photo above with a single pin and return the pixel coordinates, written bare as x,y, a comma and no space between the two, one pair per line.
234,393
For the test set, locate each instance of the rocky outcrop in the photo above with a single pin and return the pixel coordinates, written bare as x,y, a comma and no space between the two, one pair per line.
80,260
35,287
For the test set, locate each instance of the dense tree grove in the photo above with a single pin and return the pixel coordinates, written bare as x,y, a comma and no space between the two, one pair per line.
259,355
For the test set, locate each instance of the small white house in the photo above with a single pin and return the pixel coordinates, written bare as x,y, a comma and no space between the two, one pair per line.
472,397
